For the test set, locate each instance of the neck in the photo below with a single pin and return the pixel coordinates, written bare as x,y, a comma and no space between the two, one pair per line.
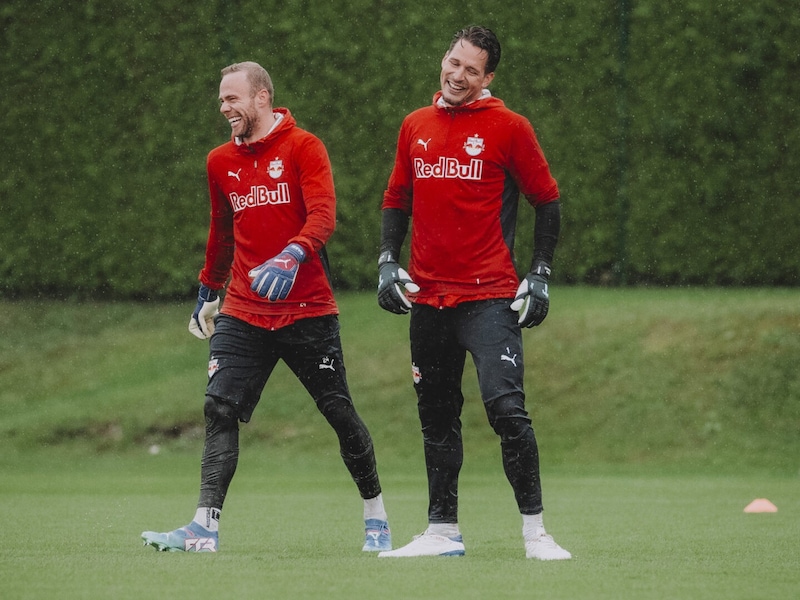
265,125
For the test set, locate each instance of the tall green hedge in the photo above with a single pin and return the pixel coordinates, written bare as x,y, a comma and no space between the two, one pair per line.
675,145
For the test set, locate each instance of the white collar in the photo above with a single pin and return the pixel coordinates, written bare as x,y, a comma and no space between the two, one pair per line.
278,118
485,93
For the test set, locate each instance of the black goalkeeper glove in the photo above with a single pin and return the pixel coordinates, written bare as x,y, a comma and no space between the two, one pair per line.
533,299
391,277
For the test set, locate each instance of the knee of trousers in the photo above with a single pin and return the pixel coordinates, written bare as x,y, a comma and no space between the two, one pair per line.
219,413
440,427
336,408
443,434
508,418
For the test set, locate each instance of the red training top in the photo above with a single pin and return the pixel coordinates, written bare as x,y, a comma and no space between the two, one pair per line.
264,196
458,173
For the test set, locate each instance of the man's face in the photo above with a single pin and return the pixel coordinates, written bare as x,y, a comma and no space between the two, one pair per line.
238,105
463,77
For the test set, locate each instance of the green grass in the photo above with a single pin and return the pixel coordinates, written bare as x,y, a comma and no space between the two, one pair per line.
292,529
660,414
691,379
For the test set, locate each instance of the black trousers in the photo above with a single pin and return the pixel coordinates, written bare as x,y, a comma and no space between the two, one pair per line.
242,357
440,339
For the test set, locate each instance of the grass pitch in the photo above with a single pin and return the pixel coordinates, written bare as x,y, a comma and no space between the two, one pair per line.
688,379
292,529
660,415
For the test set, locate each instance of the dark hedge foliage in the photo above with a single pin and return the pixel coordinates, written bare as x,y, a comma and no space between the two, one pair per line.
671,127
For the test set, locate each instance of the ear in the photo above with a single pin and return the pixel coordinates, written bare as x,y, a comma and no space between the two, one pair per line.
263,99
487,79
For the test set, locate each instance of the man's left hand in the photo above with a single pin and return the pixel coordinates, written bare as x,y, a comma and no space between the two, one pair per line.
533,298
275,278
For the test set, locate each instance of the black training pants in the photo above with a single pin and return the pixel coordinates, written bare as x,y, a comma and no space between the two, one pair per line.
242,357
440,339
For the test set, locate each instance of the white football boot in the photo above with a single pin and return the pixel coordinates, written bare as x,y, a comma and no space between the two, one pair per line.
544,547
429,544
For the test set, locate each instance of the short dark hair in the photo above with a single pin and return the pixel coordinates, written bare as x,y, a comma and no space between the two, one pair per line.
483,38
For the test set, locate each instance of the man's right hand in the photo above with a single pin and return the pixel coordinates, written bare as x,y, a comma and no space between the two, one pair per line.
201,325
391,277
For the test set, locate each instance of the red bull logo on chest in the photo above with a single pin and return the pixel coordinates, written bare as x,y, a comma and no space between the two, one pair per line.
260,195
448,168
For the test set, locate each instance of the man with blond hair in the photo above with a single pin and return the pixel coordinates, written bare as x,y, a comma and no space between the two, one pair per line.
273,208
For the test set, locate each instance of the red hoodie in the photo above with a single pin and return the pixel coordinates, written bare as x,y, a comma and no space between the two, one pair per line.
264,196
458,173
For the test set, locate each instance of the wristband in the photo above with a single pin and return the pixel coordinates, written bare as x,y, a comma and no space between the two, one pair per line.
386,257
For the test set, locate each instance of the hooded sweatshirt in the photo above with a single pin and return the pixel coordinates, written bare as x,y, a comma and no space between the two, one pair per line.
264,196
458,173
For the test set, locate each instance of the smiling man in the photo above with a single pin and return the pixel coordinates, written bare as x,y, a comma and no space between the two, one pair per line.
273,208
466,73
460,167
